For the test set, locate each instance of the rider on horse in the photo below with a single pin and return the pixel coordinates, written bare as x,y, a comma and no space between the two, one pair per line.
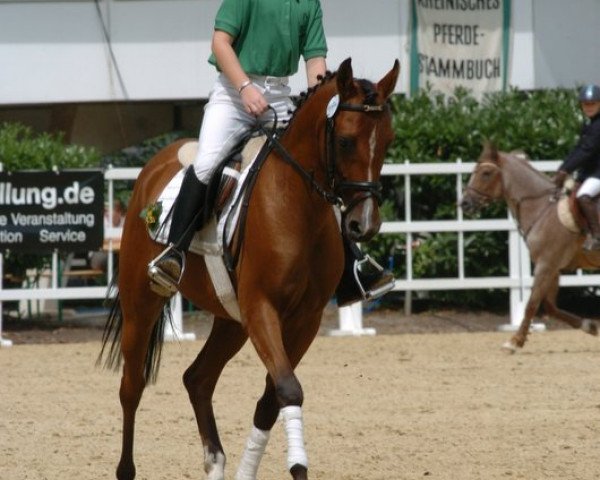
585,157
254,59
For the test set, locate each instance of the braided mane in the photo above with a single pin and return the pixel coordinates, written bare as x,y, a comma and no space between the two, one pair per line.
366,86
304,96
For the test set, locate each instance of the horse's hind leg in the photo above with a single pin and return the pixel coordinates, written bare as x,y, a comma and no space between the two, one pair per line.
225,340
588,326
138,325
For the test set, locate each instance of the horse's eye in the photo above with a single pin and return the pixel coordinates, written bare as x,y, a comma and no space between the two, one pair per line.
346,144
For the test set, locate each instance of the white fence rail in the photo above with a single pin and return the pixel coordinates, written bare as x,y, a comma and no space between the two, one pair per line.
518,280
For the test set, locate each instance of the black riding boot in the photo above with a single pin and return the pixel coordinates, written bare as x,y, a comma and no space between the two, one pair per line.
166,269
590,211
359,284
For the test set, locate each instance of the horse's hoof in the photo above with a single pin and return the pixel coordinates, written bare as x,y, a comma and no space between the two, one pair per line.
589,326
509,347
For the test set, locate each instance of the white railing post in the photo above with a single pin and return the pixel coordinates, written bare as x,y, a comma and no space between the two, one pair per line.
350,322
175,331
4,342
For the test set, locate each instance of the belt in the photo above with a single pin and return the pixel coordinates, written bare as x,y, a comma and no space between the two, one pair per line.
270,81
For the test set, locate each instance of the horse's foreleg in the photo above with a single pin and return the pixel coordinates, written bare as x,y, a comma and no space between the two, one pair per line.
200,379
264,331
265,415
296,343
543,281
588,326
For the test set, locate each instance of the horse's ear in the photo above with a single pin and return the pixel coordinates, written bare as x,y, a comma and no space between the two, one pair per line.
490,152
345,80
386,85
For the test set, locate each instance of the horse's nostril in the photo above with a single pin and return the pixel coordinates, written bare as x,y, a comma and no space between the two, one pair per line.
355,228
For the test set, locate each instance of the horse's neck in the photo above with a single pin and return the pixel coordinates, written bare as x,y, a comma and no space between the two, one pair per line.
278,180
522,182
307,130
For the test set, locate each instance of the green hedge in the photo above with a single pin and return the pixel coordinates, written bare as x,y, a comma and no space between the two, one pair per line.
22,149
545,124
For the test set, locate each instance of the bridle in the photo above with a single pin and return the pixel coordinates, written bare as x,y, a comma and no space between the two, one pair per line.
335,188
369,189
518,202
332,194
486,196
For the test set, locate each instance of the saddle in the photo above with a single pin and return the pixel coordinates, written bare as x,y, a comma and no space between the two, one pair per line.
227,198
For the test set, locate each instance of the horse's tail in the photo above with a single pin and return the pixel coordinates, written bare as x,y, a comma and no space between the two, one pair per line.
112,335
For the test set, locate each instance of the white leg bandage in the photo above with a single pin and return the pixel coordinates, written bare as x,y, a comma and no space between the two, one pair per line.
214,465
292,419
255,448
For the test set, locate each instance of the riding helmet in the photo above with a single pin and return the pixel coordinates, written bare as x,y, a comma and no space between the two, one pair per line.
589,93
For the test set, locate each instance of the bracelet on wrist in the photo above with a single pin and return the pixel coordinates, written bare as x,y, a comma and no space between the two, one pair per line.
244,85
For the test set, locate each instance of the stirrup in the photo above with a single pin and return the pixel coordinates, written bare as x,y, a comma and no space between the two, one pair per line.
161,282
376,292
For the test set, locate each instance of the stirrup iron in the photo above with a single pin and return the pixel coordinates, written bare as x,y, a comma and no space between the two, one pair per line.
160,282
374,293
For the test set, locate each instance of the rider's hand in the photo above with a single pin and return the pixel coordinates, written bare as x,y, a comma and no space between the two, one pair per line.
559,178
253,100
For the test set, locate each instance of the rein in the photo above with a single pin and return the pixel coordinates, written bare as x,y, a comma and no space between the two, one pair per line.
519,201
285,155
333,197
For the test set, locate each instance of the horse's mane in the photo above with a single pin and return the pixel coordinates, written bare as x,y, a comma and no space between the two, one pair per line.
524,160
367,88
520,154
309,92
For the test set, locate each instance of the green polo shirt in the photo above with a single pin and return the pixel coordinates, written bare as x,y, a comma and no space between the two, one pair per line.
271,35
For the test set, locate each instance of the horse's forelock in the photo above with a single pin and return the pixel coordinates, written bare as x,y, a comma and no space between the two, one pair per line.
369,90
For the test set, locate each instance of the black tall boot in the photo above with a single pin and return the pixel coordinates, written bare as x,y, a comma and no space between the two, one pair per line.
363,277
590,211
166,269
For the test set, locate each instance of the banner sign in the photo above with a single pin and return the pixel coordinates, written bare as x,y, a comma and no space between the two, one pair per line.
460,43
41,211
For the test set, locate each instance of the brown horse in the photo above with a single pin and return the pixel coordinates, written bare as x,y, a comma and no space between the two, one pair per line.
531,198
290,264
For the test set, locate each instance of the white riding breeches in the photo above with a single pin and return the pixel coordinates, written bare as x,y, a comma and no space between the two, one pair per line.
590,186
225,120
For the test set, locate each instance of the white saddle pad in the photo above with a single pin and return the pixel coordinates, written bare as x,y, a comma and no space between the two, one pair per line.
210,241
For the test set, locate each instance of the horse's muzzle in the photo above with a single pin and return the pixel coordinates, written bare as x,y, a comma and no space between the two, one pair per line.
362,222
470,204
